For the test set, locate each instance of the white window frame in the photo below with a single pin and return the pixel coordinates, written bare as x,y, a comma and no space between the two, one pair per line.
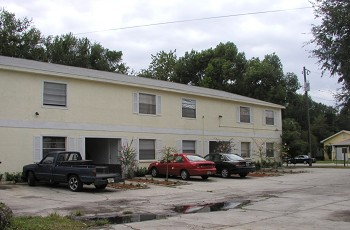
190,105
268,149
250,115
140,150
249,149
56,105
186,148
136,104
266,117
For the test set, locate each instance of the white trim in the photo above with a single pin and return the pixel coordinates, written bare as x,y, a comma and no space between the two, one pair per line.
270,133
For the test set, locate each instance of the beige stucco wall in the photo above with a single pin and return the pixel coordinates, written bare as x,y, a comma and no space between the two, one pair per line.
103,109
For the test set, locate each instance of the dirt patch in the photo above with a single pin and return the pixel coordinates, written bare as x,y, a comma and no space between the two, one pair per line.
143,182
273,172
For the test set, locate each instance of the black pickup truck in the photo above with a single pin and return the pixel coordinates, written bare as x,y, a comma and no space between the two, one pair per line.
68,167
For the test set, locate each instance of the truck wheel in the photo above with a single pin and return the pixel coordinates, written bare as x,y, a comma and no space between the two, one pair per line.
74,183
225,173
101,186
242,175
31,179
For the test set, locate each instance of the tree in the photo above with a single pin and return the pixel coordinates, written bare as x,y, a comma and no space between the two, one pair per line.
167,153
19,39
128,159
162,66
292,139
332,40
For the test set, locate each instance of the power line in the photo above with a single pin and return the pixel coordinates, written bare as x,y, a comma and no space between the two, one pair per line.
195,19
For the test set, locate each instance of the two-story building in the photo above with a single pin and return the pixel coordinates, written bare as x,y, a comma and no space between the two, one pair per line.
45,107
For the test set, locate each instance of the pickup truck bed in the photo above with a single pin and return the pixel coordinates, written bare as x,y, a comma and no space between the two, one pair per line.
68,167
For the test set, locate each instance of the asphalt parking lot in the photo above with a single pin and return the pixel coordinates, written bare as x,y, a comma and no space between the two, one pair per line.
319,198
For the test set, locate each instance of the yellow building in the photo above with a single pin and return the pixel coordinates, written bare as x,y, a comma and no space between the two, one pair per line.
47,107
337,146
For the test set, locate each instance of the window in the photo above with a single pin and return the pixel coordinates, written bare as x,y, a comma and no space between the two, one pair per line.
55,94
244,114
245,149
53,144
269,117
269,150
147,149
146,103
188,108
189,146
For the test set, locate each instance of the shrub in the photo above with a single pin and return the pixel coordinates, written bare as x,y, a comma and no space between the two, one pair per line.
16,176
141,171
5,216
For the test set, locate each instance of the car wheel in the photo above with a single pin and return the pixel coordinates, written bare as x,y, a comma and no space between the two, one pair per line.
31,179
184,175
74,183
225,173
101,186
205,177
242,175
154,172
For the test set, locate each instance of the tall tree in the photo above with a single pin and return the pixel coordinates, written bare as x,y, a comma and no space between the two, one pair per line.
162,66
18,38
332,40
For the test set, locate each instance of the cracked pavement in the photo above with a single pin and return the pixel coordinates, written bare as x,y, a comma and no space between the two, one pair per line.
316,199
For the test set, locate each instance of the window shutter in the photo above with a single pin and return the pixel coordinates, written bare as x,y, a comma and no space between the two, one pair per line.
71,144
264,117
206,148
38,148
135,145
238,118
179,146
81,147
159,105
199,148
135,108
159,146
251,115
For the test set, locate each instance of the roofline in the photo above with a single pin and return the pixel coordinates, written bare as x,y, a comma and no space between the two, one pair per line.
348,132
24,65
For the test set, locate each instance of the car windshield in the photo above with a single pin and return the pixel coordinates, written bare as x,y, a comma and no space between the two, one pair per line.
233,157
194,158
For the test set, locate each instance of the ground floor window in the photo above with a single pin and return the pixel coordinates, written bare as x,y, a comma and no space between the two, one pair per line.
245,149
269,150
189,147
147,150
53,144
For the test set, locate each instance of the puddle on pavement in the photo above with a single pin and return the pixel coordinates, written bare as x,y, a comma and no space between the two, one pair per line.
210,207
183,209
130,218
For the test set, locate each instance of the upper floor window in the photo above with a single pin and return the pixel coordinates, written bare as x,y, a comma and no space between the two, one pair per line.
269,117
188,108
55,94
244,114
147,149
146,103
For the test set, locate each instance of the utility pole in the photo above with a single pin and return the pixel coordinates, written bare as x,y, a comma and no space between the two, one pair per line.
306,89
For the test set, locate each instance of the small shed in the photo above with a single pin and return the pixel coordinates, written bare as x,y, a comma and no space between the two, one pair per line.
337,146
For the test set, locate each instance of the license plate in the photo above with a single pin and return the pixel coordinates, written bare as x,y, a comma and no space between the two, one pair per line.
208,172
110,180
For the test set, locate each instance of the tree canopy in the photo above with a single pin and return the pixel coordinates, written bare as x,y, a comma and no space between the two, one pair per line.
332,40
18,38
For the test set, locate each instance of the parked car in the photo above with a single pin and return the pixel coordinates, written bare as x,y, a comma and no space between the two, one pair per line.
229,163
183,165
303,159
68,167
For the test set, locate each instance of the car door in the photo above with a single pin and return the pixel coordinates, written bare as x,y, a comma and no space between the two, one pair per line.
43,170
176,165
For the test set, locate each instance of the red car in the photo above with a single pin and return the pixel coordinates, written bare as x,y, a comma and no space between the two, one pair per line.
184,165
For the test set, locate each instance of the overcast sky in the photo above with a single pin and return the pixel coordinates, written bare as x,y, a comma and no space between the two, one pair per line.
284,32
